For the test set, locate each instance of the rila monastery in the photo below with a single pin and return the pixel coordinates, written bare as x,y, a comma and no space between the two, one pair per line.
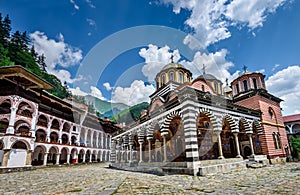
192,126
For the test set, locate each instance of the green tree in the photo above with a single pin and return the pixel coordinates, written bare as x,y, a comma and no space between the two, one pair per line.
4,59
295,146
5,28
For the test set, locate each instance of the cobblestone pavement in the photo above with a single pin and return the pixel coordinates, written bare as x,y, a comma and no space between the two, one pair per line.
97,179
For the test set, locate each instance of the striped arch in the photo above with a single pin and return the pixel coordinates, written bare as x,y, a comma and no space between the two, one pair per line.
168,120
232,123
216,125
149,131
258,127
246,124
33,106
141,134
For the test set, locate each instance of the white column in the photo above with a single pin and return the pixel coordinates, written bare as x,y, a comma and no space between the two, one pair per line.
45,159
92,137
60,134
48,132
220,145
149,146
130,153
251,144
11,129
97,140
141,150
165,149
85,137
68,159
237,144
57,159
83,158
33,124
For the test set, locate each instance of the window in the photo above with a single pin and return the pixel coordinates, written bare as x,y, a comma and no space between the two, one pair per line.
171,76
271,115
254,83
216,87
237,88
202,87
277,141
180,77
163,79
245,85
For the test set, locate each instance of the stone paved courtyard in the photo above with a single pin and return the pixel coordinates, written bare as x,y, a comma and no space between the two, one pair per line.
97,179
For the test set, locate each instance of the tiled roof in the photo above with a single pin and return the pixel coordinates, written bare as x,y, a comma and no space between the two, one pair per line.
291,118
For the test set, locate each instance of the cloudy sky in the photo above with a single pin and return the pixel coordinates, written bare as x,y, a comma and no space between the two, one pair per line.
113,49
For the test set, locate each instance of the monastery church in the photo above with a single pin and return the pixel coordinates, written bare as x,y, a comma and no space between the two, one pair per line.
192,126
198,127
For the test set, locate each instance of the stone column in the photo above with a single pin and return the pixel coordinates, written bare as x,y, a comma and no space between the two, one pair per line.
48,132
85,137
220,145
11,129
165,149
28,158
141,152
33,124
251,144
68,159
130,153
60,134
149,146
45,159
237,144
57,158
97,140
92,139
83,158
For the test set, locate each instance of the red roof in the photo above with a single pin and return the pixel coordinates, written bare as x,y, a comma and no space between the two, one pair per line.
291,118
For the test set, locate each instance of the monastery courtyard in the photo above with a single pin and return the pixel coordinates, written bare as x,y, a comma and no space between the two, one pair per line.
98,179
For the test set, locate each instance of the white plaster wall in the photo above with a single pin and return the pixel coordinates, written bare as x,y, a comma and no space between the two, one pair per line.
17,158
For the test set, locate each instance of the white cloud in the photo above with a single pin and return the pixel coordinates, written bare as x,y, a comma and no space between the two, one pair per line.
107,86
74,4
91,22
77,91
58,53
285,84
275,66
215,63
210,20
90,3
94,91
137,92
156,58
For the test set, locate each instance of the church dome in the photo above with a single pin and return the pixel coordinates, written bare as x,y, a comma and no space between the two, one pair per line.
208,77
172,65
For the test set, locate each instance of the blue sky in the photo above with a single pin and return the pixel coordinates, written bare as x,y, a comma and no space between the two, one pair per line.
81,38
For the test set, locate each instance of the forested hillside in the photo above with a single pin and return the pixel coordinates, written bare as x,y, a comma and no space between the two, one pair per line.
16,49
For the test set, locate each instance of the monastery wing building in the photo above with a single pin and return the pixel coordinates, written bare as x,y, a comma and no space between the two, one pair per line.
199,127
37,128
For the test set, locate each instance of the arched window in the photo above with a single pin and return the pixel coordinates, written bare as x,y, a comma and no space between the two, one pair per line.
163,79
180,77
277,140
271,114
245,85
171,76
254,83
216,86
237,88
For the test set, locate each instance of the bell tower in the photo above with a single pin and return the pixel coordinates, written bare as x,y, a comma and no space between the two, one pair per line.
249,90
